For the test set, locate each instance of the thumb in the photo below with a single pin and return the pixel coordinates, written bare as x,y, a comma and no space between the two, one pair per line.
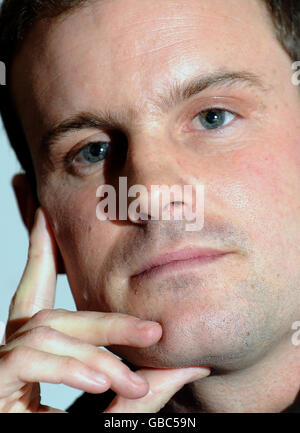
163,384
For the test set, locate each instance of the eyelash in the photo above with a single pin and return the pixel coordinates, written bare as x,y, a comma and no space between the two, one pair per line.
235,115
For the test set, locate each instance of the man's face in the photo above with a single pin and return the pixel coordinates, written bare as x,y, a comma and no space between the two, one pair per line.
126,60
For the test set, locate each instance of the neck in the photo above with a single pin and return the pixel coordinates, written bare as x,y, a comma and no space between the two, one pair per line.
271,385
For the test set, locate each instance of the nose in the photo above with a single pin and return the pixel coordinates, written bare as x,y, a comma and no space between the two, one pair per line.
160,202
155,183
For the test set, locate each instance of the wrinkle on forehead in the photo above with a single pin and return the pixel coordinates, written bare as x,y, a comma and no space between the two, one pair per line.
113,49
136,23
179,20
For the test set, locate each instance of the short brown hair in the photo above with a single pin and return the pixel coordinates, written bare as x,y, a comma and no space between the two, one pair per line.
17,16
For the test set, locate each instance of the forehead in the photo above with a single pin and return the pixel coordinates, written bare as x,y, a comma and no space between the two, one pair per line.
122,52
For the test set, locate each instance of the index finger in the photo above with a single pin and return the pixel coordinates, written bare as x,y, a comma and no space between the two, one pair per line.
36,290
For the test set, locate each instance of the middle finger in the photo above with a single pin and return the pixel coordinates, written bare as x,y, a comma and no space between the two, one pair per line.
123,381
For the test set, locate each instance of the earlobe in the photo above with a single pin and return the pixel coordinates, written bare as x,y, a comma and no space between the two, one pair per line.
28,204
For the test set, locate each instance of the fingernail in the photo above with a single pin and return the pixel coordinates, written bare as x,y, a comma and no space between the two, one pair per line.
138,380
146,324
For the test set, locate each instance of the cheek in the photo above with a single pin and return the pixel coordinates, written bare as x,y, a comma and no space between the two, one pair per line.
273,180
83,240
262,191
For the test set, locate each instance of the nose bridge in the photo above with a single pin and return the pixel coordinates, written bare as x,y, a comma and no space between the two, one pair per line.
151,166
150,159
150,162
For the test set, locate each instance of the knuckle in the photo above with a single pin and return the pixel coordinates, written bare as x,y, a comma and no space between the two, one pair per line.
59,313
108,338
106,358
42,317
123,328
116,316
71,365
39,334
124,317
105,316
48,316
18,354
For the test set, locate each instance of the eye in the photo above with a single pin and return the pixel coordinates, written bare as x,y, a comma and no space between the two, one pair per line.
92,153
212,119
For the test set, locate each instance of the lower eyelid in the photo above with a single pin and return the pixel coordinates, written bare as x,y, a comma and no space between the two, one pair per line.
79,168
88,163
84,170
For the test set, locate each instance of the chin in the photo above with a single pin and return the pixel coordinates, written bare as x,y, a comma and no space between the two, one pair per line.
223,326
219,352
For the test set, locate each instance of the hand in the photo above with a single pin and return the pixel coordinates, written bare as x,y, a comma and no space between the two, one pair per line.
59,346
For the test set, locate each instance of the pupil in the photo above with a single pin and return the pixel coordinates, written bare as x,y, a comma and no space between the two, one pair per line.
212,117
95,149
96,152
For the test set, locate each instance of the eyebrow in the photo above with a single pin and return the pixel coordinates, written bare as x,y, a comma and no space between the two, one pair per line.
163,102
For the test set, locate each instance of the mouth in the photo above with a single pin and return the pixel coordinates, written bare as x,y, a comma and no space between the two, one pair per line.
182,260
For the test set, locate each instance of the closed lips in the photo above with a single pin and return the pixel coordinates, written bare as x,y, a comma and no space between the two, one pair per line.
180,256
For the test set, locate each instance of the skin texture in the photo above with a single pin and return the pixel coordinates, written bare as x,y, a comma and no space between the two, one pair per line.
120,57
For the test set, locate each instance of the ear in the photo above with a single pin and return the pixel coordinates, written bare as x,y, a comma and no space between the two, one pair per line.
26,200
28,205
